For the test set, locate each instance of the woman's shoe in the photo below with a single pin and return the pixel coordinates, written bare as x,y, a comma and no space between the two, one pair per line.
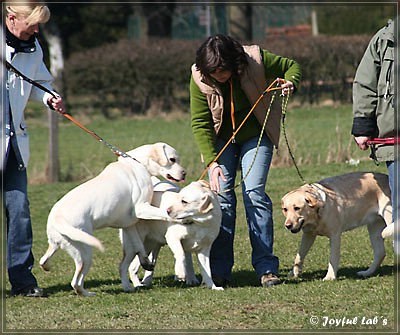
33,292
270,279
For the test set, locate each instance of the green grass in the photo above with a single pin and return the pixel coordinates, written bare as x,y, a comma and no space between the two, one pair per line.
317,137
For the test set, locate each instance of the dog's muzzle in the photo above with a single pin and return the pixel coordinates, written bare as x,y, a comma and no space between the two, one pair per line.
295,228
171,178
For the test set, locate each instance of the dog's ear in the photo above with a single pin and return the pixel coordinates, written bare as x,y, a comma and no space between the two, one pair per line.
315,197
206,204
159,154
310,196
310,199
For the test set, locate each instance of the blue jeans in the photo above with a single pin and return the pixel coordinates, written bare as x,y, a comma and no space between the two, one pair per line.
257,204
394,172
19,228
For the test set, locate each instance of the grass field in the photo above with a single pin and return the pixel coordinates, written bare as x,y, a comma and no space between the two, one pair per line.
321,143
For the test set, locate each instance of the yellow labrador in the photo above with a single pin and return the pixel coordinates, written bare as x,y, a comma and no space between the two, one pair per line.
198,209
337,204
118,197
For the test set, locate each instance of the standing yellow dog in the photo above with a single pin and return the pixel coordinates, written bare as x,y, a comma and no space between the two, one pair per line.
335,205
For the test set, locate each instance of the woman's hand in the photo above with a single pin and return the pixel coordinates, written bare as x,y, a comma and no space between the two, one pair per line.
57,104
362,142
215,172
286,85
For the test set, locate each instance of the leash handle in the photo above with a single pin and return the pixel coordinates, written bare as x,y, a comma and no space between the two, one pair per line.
386,140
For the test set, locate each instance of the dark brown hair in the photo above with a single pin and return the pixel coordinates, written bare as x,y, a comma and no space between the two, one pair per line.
220,52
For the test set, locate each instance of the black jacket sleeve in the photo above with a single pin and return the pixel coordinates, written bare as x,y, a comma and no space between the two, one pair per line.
363,126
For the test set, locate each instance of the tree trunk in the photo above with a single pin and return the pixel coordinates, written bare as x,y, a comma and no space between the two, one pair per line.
56,68
314,22
240,26
159,18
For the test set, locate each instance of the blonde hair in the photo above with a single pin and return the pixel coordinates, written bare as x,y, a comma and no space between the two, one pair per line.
31,12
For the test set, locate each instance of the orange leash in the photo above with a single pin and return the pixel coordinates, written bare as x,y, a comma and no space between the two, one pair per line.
267,90
232,110
114,149
69,117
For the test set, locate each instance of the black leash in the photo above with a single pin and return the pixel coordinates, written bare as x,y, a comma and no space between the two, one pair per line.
29,80
113,148
284,106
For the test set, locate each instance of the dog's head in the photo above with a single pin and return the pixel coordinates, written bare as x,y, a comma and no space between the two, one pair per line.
195,202
160,159
301,208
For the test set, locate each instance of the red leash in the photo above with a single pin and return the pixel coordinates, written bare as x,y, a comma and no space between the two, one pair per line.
387,141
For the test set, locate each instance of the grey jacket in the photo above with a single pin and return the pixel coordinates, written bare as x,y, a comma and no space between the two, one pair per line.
373,92
20,91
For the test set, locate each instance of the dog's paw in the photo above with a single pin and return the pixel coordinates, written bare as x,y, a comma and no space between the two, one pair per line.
83,293
217,288
327,278
363,274
179,278
138,288
146,282
192,281
293,274
45,266
147,265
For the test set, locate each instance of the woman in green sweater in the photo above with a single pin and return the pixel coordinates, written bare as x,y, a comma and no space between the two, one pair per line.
227,79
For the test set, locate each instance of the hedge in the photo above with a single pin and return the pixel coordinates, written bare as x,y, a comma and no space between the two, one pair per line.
152,76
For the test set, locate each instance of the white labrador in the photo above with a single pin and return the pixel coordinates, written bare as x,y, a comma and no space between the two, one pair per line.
199,210
118,197
335,205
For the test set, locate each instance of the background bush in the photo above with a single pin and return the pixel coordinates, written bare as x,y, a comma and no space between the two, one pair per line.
142,77
130,76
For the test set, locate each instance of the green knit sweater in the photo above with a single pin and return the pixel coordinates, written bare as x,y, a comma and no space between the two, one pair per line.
202,124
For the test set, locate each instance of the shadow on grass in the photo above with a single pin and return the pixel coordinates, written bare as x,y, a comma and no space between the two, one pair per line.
111,286
248,278
344,273
243,278
114,286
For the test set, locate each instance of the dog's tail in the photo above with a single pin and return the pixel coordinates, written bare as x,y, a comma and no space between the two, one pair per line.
78,235
388,231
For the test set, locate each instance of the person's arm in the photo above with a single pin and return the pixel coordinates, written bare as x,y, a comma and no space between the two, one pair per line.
204,134
282,67
365,96
202,123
